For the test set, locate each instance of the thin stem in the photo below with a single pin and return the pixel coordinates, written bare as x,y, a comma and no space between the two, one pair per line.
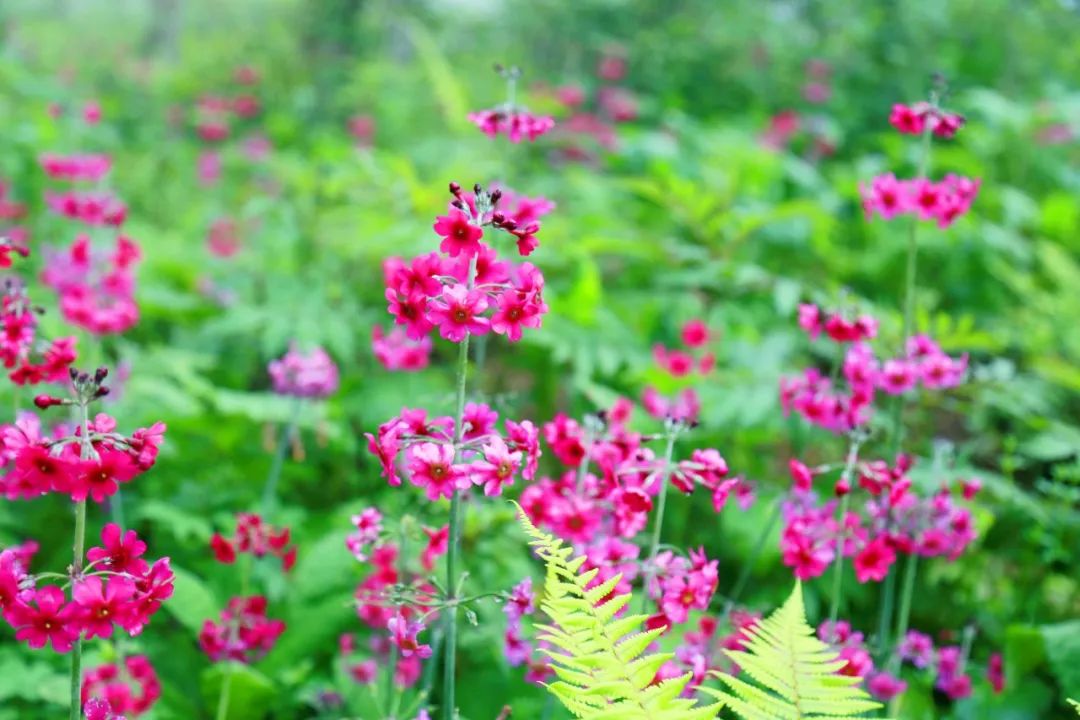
911,566
654,544
838,571
748,566
86,450
583,466
454,539
269,499
226,690
888,599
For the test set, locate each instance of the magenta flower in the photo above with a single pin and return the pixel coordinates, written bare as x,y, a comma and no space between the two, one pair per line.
431,467
498,467
516,310
458,313
874,561
52,620
460,236
403,636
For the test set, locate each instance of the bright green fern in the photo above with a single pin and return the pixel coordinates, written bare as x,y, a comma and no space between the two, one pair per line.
1076,706
604,672
784,657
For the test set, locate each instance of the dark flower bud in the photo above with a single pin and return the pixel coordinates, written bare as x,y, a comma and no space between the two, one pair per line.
477,189
102,391
47,401
73,373
100,374
455,189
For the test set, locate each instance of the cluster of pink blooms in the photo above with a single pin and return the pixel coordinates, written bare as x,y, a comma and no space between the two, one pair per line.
468,290
395,618
922,116
426,450
595,123
942,201
819,399
29,360
214,114
616,501
13,238
95,280
513,121
894,520
131,687
948,664
244,634
37,464
254,537
304,375
682,362
397,351
116,588
851,646
96,284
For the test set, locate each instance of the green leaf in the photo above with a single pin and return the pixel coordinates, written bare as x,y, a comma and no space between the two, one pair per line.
1063,653
192,602
251,694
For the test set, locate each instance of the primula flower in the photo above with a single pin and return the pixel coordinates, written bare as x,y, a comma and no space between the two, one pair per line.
498,467
874,561
311,375
458,313
396,351
46,617
438,543
431,466
907,120
460,236
403,634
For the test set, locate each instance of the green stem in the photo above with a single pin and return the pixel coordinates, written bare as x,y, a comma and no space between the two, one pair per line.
911,566
76,651
838,571
748,567
454,541
226,690
269,499
888,598
86,450
654,544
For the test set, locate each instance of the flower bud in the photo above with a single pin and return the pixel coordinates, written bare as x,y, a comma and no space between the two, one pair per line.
47,401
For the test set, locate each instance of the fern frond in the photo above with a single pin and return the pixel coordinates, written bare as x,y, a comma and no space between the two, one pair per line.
600,660
1076,705
794,671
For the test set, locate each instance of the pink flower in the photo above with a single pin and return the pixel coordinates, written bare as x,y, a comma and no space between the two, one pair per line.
917,648
810,320
459,235
101,605
457,313
995,673
396,351
403,635
432,467
516,310
884,686
51,621
906,120
874,561
801,475
498,467
897,376
122,553
437,545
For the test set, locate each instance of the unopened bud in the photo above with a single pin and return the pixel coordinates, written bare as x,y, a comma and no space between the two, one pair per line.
476,189
47,401
496,195
73,373
102,391
455,189
100,374
843,487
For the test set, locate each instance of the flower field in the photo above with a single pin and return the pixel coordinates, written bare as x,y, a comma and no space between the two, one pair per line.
397,360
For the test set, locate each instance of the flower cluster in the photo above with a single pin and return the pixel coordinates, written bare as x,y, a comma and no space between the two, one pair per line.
580,506
510,118
678,363
593,122
30,360
96,284
427,450
98,709
468,290
821,401
893,520
255,537
116,588
131,687
942,201
520,603
852,649
244,633
215,114
388,598
397,351
304,375
949,664
92,467
95,280
922,116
